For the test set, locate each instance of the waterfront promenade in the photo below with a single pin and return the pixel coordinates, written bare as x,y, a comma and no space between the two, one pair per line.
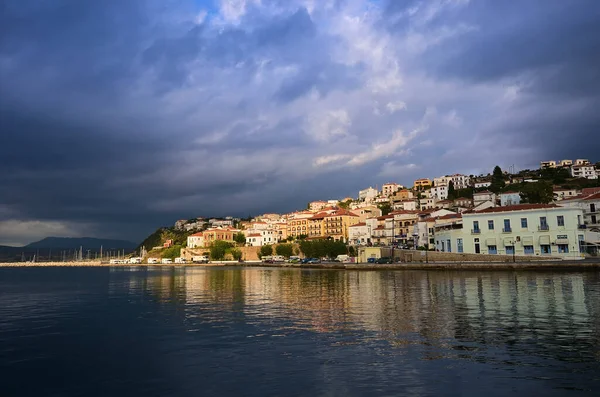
593,263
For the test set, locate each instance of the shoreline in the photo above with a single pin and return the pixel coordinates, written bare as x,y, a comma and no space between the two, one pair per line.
550,265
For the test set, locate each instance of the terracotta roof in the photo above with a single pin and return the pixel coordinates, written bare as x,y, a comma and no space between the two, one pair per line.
403,212
510,192
199,234
449,216
519,207
319,215
595,196
254,235
380,227
359,224
590,190
341,212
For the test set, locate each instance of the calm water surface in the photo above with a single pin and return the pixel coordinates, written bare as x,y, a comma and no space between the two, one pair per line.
279,332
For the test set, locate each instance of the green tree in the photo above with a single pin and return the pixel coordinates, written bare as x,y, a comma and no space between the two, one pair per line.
172,252
285,250
537,193
219,249
498,182
239,238
345,204
351,251
236,253
265,250
451,192
385,208
302,237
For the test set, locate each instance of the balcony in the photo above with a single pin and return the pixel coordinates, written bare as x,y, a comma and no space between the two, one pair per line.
507,230
475,231
543,228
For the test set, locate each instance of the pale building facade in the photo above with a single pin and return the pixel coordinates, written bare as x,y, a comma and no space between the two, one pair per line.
586,171
510,198
367,194
520,230
390,188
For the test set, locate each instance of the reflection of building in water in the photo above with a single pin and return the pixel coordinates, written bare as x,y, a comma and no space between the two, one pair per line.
404,307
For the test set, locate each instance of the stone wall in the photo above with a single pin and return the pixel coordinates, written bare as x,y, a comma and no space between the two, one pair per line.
434,256
248,253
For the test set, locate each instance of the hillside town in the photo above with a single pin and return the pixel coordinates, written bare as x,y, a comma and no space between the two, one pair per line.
551,211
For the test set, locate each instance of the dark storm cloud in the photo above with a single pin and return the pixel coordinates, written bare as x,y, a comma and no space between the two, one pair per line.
120,116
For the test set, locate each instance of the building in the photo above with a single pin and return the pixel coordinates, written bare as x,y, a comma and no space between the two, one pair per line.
421,184
405,204
566,163
439,192
526,229
179,225
510,198
258,238
548,164
196,240
460,181
316,225
369,211
367,194
221,222
463,202
400,226
589,204
441,180
427,203
482,197
561,194
582,162
336,224
482,184
219,233
390,188
317,205
359,234
423,230
297,224
584,171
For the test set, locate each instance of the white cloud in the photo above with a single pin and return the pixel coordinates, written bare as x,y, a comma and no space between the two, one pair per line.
393,107
327,125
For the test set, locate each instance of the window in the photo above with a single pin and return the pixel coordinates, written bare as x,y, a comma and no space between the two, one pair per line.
449,246
491,225
507,228
476,226
492,249
459,245
524,223
510,250
560,220
543,223
528,249
546,249
563,248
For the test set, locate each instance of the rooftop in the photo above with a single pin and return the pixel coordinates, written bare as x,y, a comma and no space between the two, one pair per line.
518,207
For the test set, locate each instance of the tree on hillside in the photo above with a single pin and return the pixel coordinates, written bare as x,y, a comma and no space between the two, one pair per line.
345,204
285,250
537,193
218,249
171,252
236,253
239,238
385,208
451,192
265,250
497,180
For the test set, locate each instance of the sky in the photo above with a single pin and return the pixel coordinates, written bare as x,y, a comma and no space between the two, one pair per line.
118,117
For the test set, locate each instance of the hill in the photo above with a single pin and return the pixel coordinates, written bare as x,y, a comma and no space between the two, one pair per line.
76,242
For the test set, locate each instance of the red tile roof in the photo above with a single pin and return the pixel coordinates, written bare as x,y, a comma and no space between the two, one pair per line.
199,234
449,216
519,207
590,190
359,224
254,235
341,212
595,196
510,192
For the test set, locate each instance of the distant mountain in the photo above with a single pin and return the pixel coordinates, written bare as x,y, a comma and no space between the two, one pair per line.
85,242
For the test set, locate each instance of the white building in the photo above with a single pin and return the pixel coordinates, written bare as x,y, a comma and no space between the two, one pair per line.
220,222
482,197
526,229
561,194
548,164
482,184
460,181
367,194
390,188
441,180
359,234
584,171
510,198
405,204
195,240
439,192
582,162
590,221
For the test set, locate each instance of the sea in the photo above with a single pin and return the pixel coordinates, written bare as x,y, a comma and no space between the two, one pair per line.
218,331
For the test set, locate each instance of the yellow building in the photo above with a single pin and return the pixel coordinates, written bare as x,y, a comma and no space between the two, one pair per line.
316,225
336,225
420,184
